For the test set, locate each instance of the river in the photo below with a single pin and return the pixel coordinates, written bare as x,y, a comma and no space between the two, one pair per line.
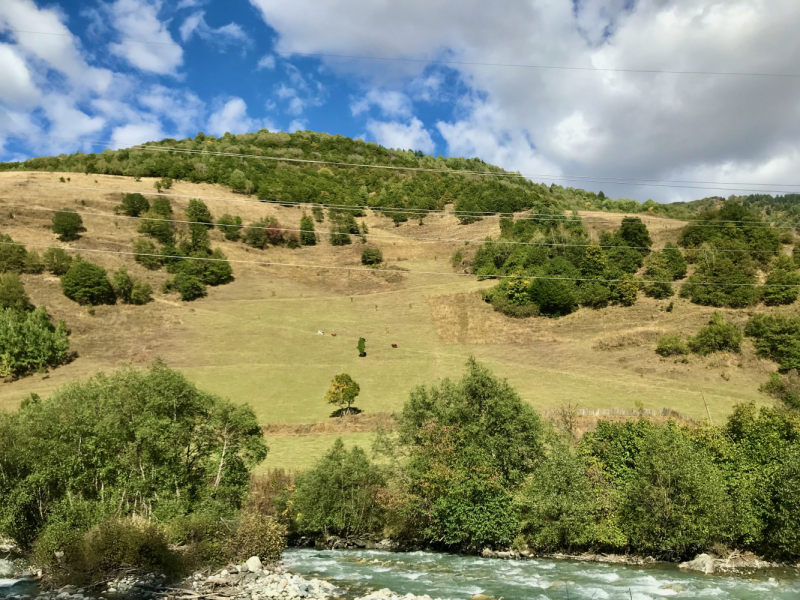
460,577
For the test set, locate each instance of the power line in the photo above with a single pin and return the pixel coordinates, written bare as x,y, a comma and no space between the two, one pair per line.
371,269
466,63
375,235
582,179
421,212
501,173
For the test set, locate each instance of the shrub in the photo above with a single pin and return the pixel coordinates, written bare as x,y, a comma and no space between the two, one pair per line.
717,336
30,342
217,270
554,297
338,495
12,293
594,294
672,345
188,286
594,261
502,304
134,205
307,235
675,505
783,518
343,225
155,225
263,232
162,207
33,263
675,261
658,275
782,284
87,283
145,254
141,293
122,284
556,504
785,388
67,224
776,338
231,227
198,212
56,261
319,215
12,255
627,290
722,282
198,239
371,256
796,255
258,535
634,233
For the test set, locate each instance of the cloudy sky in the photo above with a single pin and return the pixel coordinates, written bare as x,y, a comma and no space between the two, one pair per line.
469,82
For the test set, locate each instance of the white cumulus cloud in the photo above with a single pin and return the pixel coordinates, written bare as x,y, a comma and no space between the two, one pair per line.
232,117
405,136
137,21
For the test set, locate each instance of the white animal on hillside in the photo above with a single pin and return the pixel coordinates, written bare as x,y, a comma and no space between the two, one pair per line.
320,332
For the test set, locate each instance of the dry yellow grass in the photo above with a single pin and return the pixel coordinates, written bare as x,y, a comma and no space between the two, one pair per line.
255,340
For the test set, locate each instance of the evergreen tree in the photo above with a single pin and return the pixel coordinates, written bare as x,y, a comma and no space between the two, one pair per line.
307,235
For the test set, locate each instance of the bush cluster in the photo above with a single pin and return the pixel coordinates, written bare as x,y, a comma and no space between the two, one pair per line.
87,283
717,336
371,256
776,338
30,342
67,224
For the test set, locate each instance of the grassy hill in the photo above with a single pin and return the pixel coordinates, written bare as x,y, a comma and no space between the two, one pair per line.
255,340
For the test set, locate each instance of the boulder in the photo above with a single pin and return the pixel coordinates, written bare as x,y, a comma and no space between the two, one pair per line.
254,564
702,562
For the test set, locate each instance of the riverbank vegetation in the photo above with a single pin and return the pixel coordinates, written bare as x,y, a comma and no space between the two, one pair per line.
472,466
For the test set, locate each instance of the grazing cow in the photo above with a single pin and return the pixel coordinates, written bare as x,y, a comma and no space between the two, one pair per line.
394,345
333,334
320,332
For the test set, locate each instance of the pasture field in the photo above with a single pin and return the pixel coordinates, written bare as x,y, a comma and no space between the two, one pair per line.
255,340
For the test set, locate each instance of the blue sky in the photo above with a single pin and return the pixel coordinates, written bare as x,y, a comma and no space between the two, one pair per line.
238,66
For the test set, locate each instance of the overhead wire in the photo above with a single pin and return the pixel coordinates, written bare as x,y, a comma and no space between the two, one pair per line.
374,269
373,235
420,212
462,62
509,174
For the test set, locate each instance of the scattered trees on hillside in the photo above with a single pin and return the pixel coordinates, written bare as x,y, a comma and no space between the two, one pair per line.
777,338
231,227
56,261
307,235
30,342
198,212
371,256
13,294
67,224
134,205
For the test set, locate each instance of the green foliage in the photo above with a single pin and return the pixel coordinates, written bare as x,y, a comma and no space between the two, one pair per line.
67,224
129,290
231,227
595,261
783,523
371,256
307,235
56,261
785,388
13,294
554,296
258,535
317,212
343,392
722,282
339,495
675,502
717,336
264,232
141,293
30,342
342,225
457,258
658,275
12,255
782,284
134,205
776,338
198,212
362,347
594,294
556,503
144,443
188,286
33,263
627,290
146,254
672,345
156,225
87,283
162,207
675,260
208,267
634,233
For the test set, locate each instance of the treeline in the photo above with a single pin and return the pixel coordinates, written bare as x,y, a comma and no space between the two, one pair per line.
279,181
113,472
474,466
550,266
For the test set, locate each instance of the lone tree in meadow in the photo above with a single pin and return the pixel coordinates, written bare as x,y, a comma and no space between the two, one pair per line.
362,347
342,393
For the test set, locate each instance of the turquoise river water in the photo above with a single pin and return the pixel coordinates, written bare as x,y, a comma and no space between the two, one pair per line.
460,577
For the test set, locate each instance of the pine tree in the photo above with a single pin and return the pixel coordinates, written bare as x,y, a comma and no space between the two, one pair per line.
307,235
